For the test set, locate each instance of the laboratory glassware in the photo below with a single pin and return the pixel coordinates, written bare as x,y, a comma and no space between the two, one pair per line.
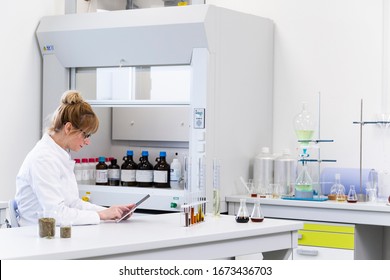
257,214
242,214
128,170
304,125
304,183
336,189
162,172
371,192
352,196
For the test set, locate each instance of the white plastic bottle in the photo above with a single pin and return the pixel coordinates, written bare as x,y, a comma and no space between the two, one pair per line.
84,171
92,170
175,173
78,170
285,172
175,169
263,169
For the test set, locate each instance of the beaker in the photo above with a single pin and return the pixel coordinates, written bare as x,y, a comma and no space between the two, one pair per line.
352,196
371,193
304,184
242,214
257,215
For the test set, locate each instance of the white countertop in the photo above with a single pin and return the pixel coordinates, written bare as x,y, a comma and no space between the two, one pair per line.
367,213
3,204
153,237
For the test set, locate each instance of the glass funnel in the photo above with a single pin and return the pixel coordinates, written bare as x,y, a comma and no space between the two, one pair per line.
257,215
242,214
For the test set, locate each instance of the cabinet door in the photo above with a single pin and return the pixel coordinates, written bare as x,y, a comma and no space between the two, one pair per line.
151,123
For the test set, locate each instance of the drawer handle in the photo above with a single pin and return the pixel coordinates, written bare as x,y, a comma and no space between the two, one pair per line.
307,252
299,236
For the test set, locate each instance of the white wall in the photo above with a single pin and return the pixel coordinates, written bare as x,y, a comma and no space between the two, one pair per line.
333,47
328,46
20,83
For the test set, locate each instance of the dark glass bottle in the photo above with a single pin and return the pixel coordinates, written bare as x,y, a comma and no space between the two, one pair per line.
162,172
102,172
128,170
113,173
144,173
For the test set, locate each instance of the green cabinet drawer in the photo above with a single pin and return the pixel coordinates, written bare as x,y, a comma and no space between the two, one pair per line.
329,236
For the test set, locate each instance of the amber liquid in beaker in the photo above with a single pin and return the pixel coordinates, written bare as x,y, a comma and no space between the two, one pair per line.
257,220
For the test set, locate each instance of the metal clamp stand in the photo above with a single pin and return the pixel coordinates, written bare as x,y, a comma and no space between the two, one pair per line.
361,197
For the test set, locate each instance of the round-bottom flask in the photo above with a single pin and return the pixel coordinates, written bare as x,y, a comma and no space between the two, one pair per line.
257,215
242,214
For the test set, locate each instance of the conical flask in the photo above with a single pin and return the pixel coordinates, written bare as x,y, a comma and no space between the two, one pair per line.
242,214
257,215
304,184
304,125
352,196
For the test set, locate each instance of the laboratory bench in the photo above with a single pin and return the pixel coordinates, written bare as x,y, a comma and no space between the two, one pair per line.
3,211
332,229
156,237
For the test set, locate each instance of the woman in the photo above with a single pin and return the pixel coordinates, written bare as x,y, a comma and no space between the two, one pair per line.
46,179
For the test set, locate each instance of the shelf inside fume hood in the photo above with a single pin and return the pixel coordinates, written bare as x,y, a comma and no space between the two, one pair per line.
160,199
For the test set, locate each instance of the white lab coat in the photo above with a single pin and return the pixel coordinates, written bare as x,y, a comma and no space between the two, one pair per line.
46,180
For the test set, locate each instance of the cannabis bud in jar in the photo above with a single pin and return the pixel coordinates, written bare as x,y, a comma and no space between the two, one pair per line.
47,227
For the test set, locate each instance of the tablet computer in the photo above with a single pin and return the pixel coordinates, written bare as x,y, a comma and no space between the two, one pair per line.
136,205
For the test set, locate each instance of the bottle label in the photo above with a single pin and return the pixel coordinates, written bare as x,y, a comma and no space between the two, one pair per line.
128,175
160,176
113,174
101,176
175,174
144,176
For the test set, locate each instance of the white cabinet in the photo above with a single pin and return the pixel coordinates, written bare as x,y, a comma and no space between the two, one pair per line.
319,253
325,241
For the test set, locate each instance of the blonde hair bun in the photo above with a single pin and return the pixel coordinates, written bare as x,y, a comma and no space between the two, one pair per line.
71,97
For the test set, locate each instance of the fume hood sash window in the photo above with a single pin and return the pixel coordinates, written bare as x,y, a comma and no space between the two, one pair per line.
150,84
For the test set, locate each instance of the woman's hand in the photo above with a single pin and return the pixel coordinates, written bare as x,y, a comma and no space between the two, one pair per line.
115,212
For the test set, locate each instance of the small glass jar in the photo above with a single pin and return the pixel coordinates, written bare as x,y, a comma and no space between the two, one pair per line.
47,224
66,229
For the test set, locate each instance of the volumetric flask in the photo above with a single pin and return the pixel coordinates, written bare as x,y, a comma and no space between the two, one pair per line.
257,215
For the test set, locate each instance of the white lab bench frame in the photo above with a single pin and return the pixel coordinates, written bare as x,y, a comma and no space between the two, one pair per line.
371,220
156,237
3,212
